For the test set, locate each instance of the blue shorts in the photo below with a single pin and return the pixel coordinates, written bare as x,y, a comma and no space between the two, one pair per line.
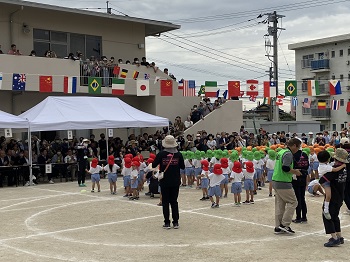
269,174
95,178
310,190
182,171
225,181
141,176
204,183
127,181
112,178
315,165
258,173
326,184
236,188
248,184
214,191
197,171
189,171
134,184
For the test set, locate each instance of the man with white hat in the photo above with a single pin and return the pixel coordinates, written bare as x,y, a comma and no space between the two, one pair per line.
170,162
311,139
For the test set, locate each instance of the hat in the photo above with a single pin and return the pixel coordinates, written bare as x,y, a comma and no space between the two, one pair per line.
237,167
310,133
224,162
151,155
94,162
127,162
169,142
344,140
136,159
111,160
205,162
128,156
249,167
272,154
86,140
150,160
217,169
135,163
341,155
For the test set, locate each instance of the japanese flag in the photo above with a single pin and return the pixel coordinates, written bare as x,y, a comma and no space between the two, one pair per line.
142,87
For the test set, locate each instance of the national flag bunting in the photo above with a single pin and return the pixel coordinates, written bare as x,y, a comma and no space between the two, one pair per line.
45,84
294,101
269,89
279,100
156,79
116,71
166,87
335,104
147,76
180,84
307,103
135,75
19,82
189,88
234,88
291,88
95,84
124,73
201,90
118,86
252,88
313,88
252,98
211,88
348,107
142,87
321,104
70,84
334,87
0,80
267,101
224,95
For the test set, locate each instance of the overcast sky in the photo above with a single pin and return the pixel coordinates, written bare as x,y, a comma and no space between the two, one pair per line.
229,32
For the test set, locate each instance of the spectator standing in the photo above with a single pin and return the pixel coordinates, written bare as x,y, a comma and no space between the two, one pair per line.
144,62
179,126
196,115
188,123
14,50
102,144
32,53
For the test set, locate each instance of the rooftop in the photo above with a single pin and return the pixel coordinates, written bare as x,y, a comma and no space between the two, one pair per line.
152,27
321,41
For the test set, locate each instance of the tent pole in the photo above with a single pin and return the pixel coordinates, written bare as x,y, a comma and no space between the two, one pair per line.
107,133
30,153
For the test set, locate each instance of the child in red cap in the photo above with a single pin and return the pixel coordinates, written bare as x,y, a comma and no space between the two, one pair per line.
204,179
226,172
134,179
126,171
236,178
111,170
248,173
214,185
94,171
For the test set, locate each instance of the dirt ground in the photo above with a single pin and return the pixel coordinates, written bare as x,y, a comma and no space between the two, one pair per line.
59,223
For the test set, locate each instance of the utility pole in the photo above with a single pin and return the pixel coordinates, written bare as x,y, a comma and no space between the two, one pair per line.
273,31
109,10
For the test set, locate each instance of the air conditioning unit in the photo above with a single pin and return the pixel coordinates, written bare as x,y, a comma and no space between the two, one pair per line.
348,62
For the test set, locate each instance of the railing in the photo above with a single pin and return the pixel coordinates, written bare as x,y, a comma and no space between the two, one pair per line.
306,63
320,64
321,113
96,69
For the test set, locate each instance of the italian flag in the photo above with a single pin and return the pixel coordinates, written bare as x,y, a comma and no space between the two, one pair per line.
118,86
211,88
313,88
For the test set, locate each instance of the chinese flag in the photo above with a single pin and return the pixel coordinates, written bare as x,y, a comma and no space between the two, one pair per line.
234,88
45,84
116,71
166,87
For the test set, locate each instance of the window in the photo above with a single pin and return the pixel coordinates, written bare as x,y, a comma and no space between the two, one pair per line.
306,61
348,77
333,54
333,77
306,111
334,127
342,102
341,77
341,52
304,86
348,51
322,127
342,126
320,56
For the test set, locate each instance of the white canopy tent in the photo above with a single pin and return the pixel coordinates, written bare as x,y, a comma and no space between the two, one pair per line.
82,112
11,121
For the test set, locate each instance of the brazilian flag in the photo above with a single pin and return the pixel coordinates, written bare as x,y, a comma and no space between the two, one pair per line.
291,88
95,84
201,90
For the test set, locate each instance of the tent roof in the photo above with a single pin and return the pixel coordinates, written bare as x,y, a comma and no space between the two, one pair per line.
11,121
82,112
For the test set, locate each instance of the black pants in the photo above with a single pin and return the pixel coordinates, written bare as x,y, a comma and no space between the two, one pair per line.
301,209
81,172
332,225
169,197
347,195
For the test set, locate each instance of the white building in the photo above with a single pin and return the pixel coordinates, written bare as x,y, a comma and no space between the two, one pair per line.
323,59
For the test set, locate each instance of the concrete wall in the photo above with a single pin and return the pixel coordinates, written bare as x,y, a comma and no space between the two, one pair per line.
292,126
228,118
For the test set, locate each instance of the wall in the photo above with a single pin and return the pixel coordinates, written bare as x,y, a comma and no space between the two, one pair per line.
228,118
292,126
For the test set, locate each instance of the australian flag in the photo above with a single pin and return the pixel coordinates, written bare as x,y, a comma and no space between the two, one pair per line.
19,82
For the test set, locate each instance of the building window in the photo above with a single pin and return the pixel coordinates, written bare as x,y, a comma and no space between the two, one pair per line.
348,77
341,77
306,61
341,102
348,51
333,77
306,111
334,127
304,86
341,52
333,54
63,43
342,126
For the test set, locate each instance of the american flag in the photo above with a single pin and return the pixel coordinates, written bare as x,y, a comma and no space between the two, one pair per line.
307,103
189,88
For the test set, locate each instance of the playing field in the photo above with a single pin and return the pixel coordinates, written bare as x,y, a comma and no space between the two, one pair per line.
59,223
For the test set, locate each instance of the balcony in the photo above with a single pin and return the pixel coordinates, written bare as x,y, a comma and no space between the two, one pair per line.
321,114
321,65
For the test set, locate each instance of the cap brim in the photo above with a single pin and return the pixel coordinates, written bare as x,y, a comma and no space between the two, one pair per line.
341,160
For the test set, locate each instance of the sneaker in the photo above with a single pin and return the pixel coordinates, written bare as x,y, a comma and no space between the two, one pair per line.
246,202
83,185
176,225
217,206
341,240
203,198
148,193
92,191
332,242
270,195
207,198
236,205
255,193
166,226
259,188
286,229
99,191
278,231
213,205
126,195
113,193
303,220
225,196
327,215
159,204
51,182
152,196
132,198
297,221
27,184
80,185
251,201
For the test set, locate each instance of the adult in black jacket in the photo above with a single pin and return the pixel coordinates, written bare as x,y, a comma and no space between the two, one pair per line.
346,146
170,162
301,162
337,182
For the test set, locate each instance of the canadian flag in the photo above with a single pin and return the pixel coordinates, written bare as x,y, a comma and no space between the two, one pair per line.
252,88
142,87
279,100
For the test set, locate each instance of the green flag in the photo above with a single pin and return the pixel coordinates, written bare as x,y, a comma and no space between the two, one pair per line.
95,84
201,90
291,88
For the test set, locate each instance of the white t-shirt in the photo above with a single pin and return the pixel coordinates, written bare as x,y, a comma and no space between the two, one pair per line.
143,166
226,170
204,174
214,161
211,144
188,163
196,163
115,167
237,177
215,180
95,170
134,174
314,182
270,164
324,168
248,175
126,171
313,158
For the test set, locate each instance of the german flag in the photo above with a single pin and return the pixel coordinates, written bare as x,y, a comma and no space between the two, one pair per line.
321,104
124,73
135,75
